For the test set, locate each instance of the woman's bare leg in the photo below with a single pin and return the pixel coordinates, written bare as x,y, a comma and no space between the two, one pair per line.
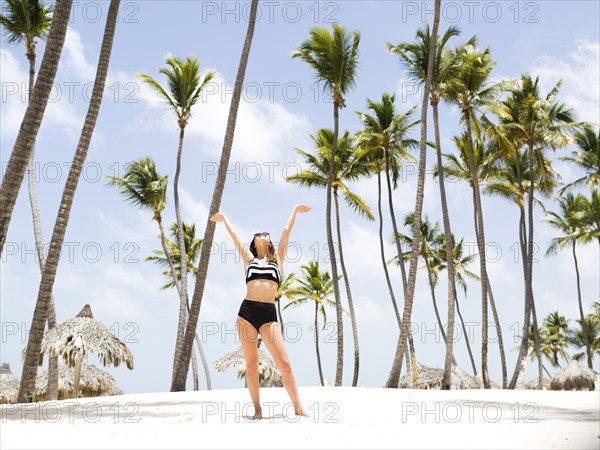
248,338
271,334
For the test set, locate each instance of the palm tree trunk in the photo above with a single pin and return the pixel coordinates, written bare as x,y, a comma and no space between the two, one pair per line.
204,362
183,301
500,339
586,339
382,253
60,227
537,344
77,378
195,371
179,381
447,380
462,323
334,273
411,345
392,381
480,236
52,390
348,293
317,343
21,154
521,359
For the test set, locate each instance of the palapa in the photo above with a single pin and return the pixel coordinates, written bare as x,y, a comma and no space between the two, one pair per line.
574,377
268,374
94,382
74,339
431,378
9,385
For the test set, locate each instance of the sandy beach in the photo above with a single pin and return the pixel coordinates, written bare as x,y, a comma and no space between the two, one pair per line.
342,417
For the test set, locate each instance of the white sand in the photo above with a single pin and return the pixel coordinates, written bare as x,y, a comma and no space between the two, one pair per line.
343,417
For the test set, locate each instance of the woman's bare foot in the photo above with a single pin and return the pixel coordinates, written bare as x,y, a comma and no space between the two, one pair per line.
257,413
301,412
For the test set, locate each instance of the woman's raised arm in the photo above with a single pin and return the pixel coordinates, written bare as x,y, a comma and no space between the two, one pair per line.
285,235
239,245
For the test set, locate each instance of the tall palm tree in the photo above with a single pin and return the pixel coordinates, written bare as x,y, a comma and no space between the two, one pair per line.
184,89
534,122
586,157
569,222
592,328
348,167
471,91
314,286
392,381
142,186
334,58
192,246
385,143
179,380
26,21
23,148
555,330
430,242
458,165
415,55
64,211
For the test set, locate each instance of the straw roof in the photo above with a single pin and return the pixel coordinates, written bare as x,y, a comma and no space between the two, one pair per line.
268,374
94,382
431,378
574,377
9,385
74,339
533,383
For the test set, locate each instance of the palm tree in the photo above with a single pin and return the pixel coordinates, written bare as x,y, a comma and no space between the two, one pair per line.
591,216
64,211
25,22
185,87
185,353
192,246
459,167
415,55
587,158
318,287
334,58
285,289
348,167
430,241
23,148
385,143
535,122
555,330
394,375
570,224
471,91
592,331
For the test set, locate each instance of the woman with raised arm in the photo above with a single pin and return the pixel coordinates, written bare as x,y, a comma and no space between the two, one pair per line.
263,265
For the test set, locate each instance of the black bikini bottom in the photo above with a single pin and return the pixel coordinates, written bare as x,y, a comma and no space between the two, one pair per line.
257,313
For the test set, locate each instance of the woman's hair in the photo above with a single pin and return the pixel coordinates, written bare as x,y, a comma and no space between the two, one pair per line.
271,256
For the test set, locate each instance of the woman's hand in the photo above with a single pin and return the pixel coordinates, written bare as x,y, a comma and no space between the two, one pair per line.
302,208
218,217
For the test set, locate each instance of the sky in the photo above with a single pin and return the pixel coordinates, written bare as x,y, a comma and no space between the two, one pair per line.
107,240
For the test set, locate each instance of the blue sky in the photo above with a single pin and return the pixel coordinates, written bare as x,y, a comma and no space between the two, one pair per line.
107,240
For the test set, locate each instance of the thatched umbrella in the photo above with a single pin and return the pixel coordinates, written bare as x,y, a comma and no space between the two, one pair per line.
268,374
574,377
94,382
9,385
431,378
533,384
74,339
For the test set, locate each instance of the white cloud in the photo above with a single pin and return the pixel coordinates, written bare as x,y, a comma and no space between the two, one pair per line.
580,73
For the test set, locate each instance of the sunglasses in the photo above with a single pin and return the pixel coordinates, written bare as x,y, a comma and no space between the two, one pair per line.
262,233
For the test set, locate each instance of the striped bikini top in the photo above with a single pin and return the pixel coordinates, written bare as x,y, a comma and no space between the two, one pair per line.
255,271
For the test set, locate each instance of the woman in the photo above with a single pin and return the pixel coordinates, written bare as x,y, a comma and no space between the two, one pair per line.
263,265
